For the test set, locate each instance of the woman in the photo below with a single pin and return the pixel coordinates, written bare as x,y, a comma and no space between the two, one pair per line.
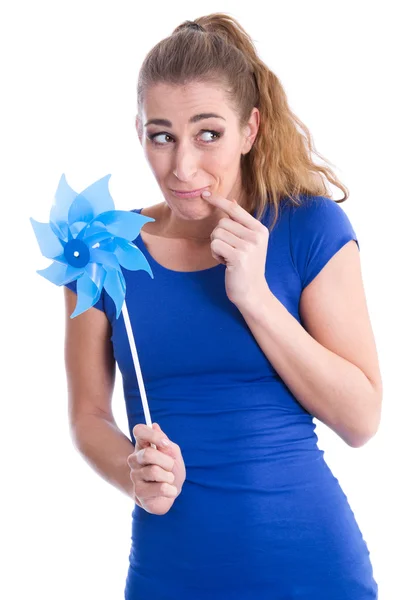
255,322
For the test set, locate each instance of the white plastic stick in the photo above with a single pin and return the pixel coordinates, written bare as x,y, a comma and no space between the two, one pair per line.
135,357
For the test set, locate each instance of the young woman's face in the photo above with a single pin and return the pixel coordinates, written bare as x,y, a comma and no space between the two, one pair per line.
191,152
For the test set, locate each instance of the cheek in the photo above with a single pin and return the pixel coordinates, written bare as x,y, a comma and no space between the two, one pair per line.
222,163
226,156
220,157
159,162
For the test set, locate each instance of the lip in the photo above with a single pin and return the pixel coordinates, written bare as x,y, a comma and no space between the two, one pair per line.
191,194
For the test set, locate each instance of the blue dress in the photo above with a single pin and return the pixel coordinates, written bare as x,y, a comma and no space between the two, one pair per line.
260,515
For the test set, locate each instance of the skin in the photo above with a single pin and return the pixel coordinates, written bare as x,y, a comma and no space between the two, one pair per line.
157,472
189,158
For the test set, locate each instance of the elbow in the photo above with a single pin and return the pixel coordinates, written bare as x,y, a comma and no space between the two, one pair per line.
359,441
362,437
370,427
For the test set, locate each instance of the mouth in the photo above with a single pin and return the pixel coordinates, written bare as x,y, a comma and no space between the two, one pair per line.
188,194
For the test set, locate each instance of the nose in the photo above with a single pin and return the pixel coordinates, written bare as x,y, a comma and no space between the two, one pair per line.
185,163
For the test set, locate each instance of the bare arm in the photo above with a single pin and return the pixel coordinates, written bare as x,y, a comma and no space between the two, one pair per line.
90,369
330,364
106,449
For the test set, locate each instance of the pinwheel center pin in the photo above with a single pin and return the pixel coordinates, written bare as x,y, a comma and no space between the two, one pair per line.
77,253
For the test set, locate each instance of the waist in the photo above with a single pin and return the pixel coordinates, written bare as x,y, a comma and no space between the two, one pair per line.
252,490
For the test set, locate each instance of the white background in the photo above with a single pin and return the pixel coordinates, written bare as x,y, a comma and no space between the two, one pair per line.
68,105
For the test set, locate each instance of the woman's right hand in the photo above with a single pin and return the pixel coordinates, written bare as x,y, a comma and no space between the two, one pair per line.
158,473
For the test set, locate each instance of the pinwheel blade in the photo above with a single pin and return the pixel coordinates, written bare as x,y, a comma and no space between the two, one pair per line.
87,295
108,245
61,259
99,196
96,238
77,227
59,273
49,244
123,224
107,259
92,228
115,286
72,273
97,274
63,199
130,257
61,230
80,210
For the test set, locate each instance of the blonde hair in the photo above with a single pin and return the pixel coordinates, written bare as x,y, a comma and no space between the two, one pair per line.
216,49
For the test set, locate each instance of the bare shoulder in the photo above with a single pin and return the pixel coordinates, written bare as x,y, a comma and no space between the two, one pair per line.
155,212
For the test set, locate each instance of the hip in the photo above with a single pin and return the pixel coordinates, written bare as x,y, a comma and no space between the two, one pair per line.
293,538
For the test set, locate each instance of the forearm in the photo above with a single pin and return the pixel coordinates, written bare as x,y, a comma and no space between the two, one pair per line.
329,387
106,450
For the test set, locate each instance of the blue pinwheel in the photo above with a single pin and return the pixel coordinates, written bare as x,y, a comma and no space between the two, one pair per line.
89,241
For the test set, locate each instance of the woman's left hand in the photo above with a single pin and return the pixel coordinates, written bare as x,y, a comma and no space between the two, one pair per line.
240,242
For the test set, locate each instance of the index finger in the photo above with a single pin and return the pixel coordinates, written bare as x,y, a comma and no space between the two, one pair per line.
145,435
232,208
155,458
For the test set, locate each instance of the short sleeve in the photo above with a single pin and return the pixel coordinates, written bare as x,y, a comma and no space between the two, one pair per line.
100,302
318,229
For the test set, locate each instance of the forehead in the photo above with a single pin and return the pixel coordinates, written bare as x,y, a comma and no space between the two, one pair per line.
181,102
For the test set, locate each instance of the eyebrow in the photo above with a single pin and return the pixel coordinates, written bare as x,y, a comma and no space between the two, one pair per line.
193,119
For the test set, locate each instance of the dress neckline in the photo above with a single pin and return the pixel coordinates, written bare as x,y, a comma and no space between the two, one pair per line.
160,267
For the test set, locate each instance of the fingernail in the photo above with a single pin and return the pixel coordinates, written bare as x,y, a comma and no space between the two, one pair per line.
206,194
165,442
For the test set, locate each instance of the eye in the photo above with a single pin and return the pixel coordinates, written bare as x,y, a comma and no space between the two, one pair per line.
216,133
152,137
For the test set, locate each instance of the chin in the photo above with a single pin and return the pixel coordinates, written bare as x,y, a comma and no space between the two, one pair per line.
194,210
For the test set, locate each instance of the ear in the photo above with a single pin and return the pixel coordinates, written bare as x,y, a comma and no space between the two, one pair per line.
139,128
251,130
